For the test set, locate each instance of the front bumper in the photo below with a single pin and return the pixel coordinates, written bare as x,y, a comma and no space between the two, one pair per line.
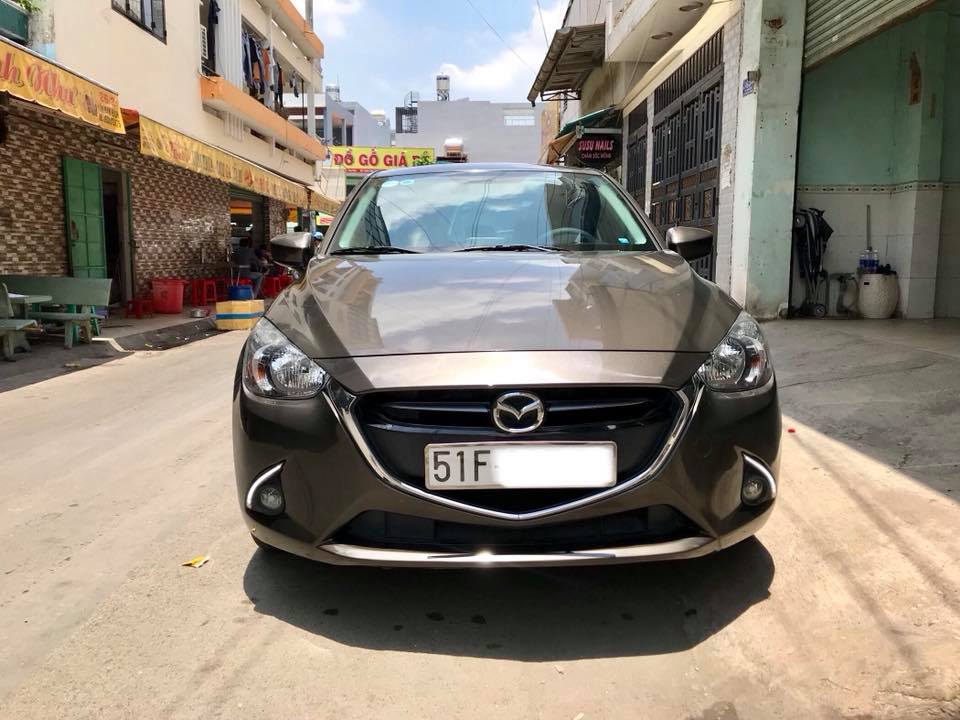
327,482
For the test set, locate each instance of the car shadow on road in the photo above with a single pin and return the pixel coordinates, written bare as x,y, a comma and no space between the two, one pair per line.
549,614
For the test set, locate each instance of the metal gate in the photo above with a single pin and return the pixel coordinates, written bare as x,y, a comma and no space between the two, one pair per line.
688,107
637,154
834,25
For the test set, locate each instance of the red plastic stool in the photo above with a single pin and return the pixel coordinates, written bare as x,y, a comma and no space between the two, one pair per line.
285,280
271,286
204,291
139,307
222,283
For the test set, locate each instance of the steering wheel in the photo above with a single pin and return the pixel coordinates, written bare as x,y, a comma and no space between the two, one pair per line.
578,233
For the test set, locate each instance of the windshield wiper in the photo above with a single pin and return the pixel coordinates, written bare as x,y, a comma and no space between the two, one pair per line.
374,250
508,248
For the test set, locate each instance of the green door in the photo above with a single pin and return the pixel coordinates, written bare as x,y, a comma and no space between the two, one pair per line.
83,195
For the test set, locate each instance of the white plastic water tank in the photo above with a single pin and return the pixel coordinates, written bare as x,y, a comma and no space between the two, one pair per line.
878,295
453,147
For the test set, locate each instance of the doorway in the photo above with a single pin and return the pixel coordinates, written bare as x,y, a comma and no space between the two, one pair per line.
686,146
116,234
98,225
247,222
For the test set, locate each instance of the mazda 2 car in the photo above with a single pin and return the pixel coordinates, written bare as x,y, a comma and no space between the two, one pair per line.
490,365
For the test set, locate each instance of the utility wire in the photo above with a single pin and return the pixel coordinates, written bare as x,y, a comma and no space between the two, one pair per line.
494,30
542,25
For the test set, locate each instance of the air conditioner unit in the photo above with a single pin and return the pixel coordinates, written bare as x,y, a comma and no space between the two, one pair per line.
204,48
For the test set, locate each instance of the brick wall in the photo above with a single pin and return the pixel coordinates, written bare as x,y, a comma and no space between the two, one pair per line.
175,213
728,143
276,212
180,218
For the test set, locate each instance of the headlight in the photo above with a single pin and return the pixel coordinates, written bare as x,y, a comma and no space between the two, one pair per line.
275,367
741,361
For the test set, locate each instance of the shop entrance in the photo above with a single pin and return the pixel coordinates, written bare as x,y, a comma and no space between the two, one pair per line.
116,231
98,224
247,223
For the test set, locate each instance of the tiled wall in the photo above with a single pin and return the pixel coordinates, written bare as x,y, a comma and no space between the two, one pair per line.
905,232
728,142
177,214
948,267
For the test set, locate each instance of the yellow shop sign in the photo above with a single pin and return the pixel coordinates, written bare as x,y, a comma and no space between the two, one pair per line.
355,159
32,78
178,149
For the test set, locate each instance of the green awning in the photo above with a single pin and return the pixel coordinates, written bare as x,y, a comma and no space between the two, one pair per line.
608,117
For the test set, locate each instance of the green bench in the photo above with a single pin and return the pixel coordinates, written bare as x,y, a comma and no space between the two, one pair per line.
11,328
83,294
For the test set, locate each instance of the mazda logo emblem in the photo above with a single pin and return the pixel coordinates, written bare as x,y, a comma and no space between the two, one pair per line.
518,412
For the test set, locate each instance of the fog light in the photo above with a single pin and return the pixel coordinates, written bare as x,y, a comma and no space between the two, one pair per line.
753,489
270,498
759,486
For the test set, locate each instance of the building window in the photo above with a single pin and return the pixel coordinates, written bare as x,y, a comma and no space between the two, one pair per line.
519,118
148,14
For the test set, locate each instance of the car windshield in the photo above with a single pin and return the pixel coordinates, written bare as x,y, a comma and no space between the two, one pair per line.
492,209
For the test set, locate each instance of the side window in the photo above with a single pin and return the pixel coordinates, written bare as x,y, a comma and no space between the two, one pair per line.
148,14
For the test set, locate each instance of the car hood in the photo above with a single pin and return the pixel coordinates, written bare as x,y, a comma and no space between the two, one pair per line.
352,306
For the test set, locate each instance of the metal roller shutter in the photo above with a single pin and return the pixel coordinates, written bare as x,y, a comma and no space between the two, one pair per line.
834,25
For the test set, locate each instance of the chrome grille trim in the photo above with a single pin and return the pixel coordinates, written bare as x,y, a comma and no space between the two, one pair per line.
342,402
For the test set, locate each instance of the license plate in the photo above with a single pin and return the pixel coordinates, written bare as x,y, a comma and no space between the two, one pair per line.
514,465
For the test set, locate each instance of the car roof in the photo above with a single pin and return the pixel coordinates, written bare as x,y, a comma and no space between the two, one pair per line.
478,166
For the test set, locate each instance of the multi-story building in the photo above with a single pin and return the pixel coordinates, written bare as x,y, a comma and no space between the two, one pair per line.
485,131
350,123
202,159
732,115
340,122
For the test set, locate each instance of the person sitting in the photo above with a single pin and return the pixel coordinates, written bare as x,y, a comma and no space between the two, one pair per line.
265,259
248,265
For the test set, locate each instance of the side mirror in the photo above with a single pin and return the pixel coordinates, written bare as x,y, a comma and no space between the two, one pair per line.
292,250
690,243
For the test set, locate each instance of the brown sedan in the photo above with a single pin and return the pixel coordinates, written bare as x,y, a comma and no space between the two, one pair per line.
490,365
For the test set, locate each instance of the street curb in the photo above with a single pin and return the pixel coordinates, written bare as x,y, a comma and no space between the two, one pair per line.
169,337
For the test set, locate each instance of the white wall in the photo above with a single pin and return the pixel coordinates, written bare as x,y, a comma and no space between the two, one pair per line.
366,129
948,268
728,144
898,217
480,123
158,79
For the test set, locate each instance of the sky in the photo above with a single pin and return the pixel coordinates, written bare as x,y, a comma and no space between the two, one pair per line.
379,50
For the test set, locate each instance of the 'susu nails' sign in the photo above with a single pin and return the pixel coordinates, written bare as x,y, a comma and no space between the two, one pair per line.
598,150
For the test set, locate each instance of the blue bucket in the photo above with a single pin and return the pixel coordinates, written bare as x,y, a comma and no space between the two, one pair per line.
240,292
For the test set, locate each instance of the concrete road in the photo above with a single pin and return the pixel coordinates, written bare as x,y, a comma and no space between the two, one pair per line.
846,606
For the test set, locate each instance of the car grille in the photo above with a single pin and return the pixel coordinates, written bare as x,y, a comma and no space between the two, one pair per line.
659,523
399,424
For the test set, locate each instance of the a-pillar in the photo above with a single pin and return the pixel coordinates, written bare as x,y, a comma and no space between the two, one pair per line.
765,160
